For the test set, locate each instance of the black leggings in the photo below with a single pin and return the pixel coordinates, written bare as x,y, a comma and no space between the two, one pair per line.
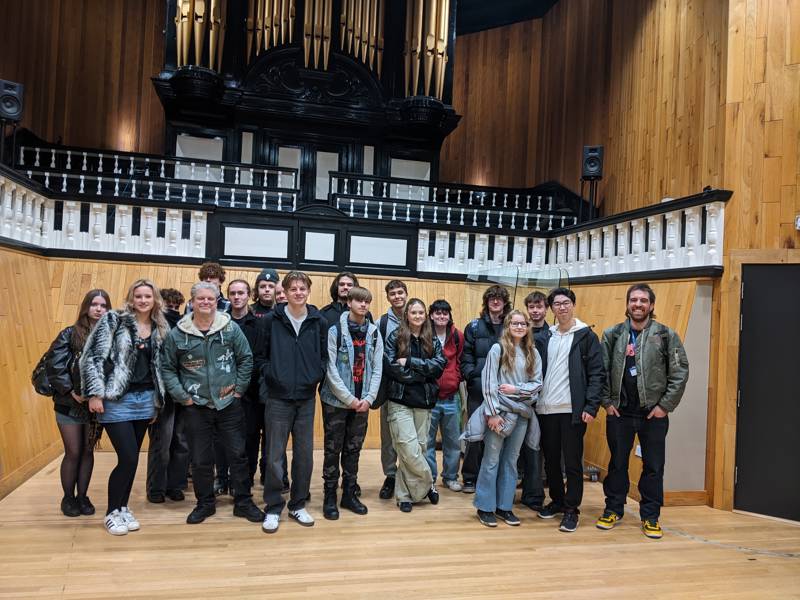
126,437
78,462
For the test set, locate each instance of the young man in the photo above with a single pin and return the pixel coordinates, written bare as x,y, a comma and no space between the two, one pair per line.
536,305
447,411
291,355
647,374
530,461
243,316
212,272
206,366
280,295
264,293
479,337
572,365
168,451
355,364
340,287
397,295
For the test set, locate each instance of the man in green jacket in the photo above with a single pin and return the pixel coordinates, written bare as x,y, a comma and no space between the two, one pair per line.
207,364
647,370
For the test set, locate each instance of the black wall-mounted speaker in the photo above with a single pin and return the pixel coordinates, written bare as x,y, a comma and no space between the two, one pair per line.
592,164
11,94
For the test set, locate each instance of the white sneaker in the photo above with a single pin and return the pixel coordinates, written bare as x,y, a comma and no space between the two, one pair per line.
115,523
453,485
301,516
129,519
271,522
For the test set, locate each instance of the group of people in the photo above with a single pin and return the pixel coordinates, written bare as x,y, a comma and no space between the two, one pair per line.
224,386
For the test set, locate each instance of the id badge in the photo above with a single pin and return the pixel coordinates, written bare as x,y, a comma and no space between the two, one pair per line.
632,371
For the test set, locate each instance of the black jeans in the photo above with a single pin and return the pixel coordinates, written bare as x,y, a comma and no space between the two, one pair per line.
345,430
561,435
530,466
168,452
473,454
652,433
254,434
202,423
284,417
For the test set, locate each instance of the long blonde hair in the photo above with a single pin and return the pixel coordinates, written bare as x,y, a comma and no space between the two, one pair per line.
509,347
157,312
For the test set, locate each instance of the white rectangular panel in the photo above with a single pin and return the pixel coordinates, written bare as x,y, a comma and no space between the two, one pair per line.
261,243
378,250
320,246
200,149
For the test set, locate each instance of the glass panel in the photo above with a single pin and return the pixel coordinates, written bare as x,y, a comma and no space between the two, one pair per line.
520,281
410,169
326,162
288,157
201,149
246,157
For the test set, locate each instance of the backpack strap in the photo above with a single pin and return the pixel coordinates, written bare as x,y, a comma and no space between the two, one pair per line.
383,324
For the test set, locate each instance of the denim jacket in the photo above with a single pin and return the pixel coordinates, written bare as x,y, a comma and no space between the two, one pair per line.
338,387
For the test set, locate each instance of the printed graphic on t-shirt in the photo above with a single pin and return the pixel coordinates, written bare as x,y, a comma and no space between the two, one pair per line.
359,360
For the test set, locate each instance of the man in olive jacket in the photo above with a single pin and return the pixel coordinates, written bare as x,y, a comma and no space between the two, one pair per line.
207,364
647,372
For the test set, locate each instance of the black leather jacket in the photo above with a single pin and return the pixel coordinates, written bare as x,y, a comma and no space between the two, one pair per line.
63,372
418,369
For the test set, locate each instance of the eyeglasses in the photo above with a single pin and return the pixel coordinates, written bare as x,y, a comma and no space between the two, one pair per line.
517,324
564,304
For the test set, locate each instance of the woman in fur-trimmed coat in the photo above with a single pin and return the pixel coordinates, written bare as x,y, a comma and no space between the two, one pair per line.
121,375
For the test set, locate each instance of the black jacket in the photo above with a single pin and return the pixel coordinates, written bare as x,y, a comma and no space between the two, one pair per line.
479,337
290,366
249,326
259,310
172,317
63,372
334,310
586,372
418,369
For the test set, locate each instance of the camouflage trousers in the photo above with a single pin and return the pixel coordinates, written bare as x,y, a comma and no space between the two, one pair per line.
345,430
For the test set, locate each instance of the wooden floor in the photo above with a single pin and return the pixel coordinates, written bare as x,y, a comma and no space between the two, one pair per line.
434,552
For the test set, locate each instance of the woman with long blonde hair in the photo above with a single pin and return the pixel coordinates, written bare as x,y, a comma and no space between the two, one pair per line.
121,374
512,378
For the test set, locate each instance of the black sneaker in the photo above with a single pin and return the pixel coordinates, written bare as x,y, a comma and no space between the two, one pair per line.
433,495
156,498
387,489
176,495
534,506
468,487
405,506
508,517
250,512
569,522
70,507
85,505
550,511
220,487
487,518
200,513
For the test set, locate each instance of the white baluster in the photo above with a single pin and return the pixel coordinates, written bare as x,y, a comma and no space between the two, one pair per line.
608,232
562,221
487,218
116,185
97,230
280,201
622,247
216,196
483,197
172,237
408,212
422,249
222,173
131,167
513,220
550,223
458,197
63,182
637,244
581,252
150,190
208,172
594,251
366,209
191,170
133,188
69,159
28,220
692,235
448,214
550,203
147,167
435,212
475,218
494,199
80,189
100,163
161,171
47,179
183,192
116,164
714,230
500,219
233,198
38,208
421,214
53,158
654,242
236,176
247,204
394,211
380,210
525,222
198,224
36,158
122,225
22,156
200,194
461,218
505,200
166,192
147,229
263,199
538,222
71,214
99,186
528,202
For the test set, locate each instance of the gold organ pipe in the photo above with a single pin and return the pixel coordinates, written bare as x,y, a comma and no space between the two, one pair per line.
199,30
430,44
308,29
250,28
327,31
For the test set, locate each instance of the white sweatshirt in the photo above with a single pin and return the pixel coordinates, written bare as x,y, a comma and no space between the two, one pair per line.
555,397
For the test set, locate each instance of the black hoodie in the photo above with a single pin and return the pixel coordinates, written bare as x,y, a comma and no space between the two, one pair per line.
291,365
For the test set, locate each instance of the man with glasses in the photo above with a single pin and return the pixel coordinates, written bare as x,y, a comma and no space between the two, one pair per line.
572,365
479,337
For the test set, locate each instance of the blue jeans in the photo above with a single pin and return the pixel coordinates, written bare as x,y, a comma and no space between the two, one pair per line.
497,479
445,413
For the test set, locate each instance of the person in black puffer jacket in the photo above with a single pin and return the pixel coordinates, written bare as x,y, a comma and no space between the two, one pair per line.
78,428
479,336
414,361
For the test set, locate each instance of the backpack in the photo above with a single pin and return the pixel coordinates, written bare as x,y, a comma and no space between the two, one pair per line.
41,384
380,399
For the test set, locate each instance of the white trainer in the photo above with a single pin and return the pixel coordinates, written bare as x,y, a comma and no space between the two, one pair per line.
130,520
115,524
301,516
271,522
453,485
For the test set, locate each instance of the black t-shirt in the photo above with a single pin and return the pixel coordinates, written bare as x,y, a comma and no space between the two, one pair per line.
142,377
629,394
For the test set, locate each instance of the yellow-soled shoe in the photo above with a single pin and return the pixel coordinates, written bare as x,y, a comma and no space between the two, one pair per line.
608,521
652,529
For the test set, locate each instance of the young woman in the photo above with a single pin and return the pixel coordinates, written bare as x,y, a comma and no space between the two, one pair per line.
121,374
512,378
414,362
77,426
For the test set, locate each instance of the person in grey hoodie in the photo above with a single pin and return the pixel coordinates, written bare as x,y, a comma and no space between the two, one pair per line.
572,364
511,380
355,365
207,364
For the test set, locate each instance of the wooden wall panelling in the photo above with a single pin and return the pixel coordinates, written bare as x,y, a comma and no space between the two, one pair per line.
86,67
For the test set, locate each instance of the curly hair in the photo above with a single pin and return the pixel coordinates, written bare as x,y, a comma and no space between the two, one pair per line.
211,270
